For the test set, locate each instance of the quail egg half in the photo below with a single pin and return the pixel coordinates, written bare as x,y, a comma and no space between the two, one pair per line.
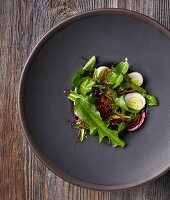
135,101
136,78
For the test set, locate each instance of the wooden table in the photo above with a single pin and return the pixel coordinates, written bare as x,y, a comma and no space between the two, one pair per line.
22,175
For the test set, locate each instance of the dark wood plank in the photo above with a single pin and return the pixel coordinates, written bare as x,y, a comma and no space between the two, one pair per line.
22,175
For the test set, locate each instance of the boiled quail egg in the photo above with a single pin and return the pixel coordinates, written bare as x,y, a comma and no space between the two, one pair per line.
101,72
135,101
136,78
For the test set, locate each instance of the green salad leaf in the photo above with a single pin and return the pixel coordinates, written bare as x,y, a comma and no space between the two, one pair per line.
121,126
122,67
151,100
83,134
90,64
118,80
120,101
114,79
73,95
137,88
85,85
120,116
80,73
77,77
111,77
89,114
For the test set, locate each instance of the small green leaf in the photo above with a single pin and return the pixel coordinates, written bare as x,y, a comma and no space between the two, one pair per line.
121,127
137,88
106,141
126,78
100,87
73,95
120,101
114,79
95,75
119,80
132,86
114,94
132,117
133,111
151,100
77,77
85,86
80,73
111,78
90,64
119,116
83,134
122,67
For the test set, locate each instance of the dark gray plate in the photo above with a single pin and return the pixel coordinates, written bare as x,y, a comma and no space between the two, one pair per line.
111,35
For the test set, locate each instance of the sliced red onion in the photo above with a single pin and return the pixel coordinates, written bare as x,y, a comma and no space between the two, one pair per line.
134,126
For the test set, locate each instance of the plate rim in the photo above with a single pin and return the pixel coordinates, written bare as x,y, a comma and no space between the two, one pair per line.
25,129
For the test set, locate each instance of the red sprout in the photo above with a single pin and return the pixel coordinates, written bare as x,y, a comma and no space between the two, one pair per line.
96,92
73,123
138,121
126,91
104,109
79,121
75,117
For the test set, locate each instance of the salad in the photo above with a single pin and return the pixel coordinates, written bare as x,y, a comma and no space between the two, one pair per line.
108,101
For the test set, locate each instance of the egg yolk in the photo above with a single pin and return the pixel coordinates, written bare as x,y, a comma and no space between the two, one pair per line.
135,103
136,81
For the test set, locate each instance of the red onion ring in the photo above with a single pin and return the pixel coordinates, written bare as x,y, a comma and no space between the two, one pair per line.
134,126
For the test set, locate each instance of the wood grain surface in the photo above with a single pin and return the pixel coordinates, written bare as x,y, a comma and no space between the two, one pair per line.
22,175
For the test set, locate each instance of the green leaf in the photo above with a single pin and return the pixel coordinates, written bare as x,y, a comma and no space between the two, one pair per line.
121,127
126,78
133,111
100,86
89,114
132,86
95,75
122,67
119,80
119,116
114,94
137,88
73,95
90,64
151,100
80,73
77,77
132,117
85,85
120,101
106,141
114,79
83,134
111,77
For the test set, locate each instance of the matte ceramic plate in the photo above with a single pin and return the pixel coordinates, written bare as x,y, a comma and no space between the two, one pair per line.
111,35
